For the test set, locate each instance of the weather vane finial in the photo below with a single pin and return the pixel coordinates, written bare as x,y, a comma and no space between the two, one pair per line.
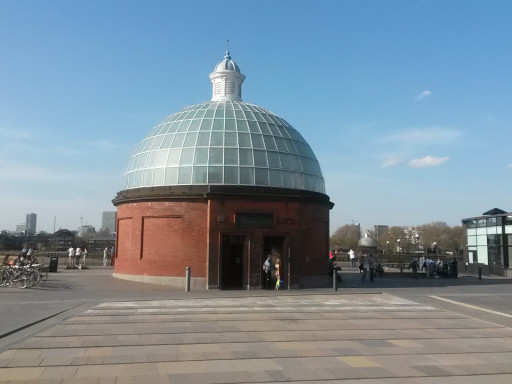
228,45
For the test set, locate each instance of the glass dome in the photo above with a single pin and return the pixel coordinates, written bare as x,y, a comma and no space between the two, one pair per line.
227,142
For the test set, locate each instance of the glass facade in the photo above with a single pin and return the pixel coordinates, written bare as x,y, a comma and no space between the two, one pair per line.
491,239
224,142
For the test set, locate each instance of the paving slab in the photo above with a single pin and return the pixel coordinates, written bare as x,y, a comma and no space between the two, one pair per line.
365,339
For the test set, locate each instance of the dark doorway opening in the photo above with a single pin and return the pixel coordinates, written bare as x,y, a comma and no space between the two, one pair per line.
274,246
232,261
473,255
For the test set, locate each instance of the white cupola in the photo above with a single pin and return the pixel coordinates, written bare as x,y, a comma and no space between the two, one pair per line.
226,80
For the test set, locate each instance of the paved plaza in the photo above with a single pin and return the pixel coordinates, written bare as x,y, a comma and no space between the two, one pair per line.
359,334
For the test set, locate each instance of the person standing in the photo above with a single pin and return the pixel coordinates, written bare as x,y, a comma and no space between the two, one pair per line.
84,256
267,270
352,256
78,253
414,267
277,267
331,267
371,267
6,260
105,256
363,267
71,255
379,270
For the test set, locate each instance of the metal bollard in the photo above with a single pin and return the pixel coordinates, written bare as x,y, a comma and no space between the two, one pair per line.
479,273
335,280
187,280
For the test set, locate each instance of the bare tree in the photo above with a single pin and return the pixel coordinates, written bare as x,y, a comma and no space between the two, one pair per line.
435,234
346,237
456,240
438,233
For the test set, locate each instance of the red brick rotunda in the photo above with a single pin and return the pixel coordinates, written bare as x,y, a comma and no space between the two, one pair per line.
217,187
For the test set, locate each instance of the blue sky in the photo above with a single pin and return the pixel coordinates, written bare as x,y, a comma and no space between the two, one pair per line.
407,104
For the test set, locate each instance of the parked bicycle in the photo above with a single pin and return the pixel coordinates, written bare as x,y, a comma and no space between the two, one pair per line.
22,274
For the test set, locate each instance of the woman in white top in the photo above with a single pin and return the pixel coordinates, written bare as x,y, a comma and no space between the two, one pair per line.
78,253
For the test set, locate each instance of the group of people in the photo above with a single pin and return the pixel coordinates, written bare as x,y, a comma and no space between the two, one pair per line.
75,255
268,267
19,260
368,263
25,257
439,267
27,253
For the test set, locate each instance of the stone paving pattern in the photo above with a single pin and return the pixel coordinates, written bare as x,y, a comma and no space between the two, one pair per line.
313,338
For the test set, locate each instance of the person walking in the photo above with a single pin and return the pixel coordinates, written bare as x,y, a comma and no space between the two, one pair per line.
414,267
371,267
267,271
71,255
105,256
363,267
84,256
277,268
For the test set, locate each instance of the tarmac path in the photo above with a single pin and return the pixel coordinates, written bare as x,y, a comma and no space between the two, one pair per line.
104,330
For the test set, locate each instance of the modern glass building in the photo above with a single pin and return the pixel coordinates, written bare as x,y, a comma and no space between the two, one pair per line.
489,242
108,220
31,223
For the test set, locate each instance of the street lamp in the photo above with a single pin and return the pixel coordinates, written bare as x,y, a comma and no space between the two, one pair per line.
400,255
417,236
387,243
435,248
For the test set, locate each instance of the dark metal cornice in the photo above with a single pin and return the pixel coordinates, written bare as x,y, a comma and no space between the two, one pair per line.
205,192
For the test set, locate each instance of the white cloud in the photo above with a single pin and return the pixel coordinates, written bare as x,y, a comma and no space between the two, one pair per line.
104,145
14,134
428,161
20,172
427,136
423,95
391,161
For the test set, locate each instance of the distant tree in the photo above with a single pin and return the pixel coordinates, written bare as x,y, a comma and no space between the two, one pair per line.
456,240
395,234
435,234
446,238
346,237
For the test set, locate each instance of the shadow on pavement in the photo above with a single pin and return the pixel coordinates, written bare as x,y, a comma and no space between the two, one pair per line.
353,279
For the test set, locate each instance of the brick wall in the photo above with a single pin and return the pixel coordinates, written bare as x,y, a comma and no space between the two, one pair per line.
162,238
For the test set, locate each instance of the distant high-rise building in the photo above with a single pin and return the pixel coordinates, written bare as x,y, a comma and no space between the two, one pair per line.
108,220
30,223
20,228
